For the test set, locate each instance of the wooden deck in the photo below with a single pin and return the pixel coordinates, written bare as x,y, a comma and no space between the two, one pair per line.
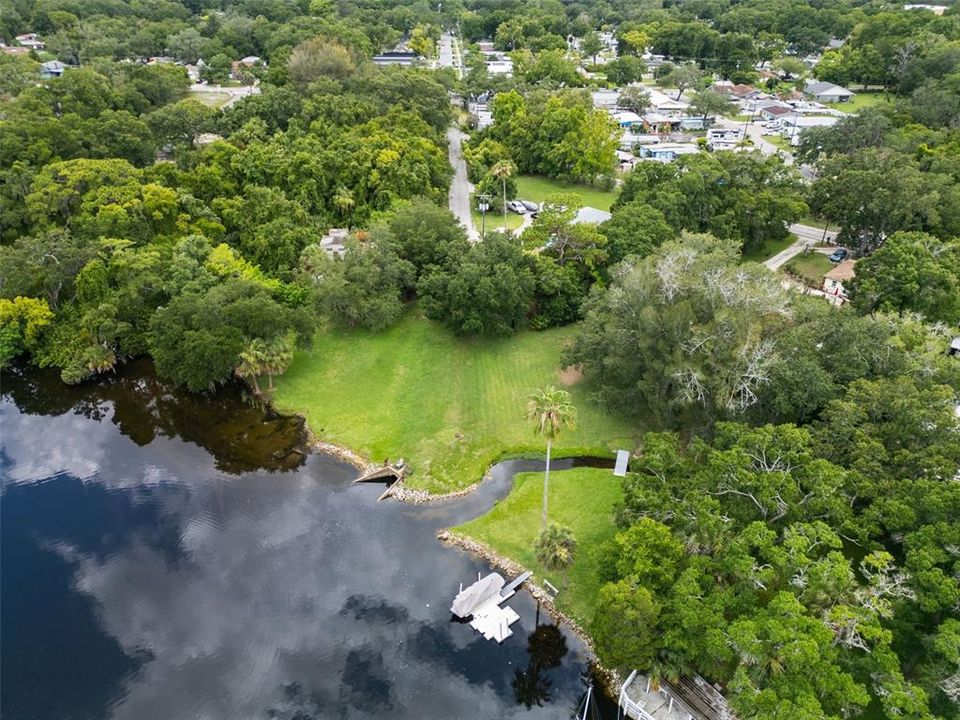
691,698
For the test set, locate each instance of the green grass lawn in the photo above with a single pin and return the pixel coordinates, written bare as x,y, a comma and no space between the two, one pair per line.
495,219
581,499
768,249
211,99
448,406
536,189
809,268
781,142
862,100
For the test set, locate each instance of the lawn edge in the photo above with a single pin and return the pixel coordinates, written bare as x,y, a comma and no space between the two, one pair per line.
419,496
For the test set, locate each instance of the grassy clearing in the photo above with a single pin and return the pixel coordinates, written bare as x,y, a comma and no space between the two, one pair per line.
495,219
862,100
768,249
581,499
448,406
211,99
809,268
536,188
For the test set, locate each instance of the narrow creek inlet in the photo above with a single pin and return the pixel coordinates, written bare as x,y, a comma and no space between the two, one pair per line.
167,555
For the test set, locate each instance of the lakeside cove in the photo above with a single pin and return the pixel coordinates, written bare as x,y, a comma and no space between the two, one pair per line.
233,525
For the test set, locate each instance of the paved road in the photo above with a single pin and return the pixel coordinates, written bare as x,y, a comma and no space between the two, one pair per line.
449,53
460,187
806,235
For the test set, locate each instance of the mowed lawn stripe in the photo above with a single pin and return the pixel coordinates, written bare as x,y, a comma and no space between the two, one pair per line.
410,390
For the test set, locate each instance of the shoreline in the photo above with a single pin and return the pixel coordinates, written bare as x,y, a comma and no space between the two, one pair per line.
612,680
402,493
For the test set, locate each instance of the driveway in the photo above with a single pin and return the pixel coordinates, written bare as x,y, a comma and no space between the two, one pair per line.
755,133
460,187
807,235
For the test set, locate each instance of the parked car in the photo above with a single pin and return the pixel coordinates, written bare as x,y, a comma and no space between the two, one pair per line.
838,255
516,206
531,206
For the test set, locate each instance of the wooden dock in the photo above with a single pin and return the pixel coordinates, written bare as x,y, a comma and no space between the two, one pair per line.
392,474
383,473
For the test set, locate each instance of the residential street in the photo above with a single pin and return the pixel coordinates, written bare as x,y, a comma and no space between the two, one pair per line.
460,186
448,54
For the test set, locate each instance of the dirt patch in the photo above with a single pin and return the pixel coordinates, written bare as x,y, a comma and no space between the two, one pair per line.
570,375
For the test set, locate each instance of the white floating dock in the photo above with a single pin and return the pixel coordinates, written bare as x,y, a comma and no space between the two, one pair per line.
481,603
493,621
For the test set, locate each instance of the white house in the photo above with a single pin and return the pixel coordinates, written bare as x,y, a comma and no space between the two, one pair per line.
775,111
627,160
833,281
395,57
52,69
605,99
667,152
500,67
665,104
30,41
630,139
334,242
793,126
724,138
827,92
627,118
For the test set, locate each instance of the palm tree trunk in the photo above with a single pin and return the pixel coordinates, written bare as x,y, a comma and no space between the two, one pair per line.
270,376
504,204
546,488
256,385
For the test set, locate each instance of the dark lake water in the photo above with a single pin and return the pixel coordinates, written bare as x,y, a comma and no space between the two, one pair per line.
171,556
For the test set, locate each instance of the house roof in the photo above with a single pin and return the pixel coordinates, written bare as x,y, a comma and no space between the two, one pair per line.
626,116
740,90
591,216
825,88
843,271
777,110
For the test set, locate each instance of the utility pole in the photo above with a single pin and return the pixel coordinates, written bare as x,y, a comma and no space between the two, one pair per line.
483,207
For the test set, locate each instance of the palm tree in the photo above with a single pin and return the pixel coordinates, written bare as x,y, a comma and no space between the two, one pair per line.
277,356
252,362
503,170
551,410
555,548
344,202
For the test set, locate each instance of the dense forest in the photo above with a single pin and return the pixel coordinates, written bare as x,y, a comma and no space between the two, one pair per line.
792,530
